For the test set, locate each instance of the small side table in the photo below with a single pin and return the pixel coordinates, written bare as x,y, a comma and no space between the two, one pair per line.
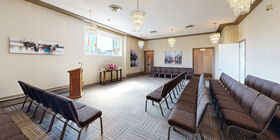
102,79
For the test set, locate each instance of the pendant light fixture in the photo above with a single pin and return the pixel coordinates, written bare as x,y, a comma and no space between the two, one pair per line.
138,17
141,44
215,36
91,27
171,40
240,7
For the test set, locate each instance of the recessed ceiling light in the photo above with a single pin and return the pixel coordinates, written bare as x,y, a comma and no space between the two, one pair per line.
189,26
153,32
115,8
108,19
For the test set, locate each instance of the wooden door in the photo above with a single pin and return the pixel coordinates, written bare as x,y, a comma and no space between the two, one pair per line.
149,61
203,61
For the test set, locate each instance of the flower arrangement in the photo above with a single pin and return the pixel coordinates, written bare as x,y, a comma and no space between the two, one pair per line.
110,67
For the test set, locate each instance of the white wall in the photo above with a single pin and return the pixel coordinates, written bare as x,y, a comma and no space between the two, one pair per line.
186,44
19,18
261,30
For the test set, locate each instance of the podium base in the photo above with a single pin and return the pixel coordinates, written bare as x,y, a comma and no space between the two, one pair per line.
74,97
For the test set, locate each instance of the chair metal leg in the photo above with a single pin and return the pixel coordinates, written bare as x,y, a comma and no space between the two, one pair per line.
166,103
101,126
153,103
168,137
24,102
43,115
80,132
30,104
146,105
161,109
34,114
171,98
52,121
63,130
174,94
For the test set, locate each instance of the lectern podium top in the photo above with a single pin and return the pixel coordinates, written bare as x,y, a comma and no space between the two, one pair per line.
76,70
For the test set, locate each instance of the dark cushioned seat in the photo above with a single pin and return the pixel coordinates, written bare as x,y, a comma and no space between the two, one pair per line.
78,105
242,120
154,96
88,114
268,87
275,93
188,107
231,106
183,119
248,99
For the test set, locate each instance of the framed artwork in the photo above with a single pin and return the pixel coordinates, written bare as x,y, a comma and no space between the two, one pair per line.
133,58
27,46
173,57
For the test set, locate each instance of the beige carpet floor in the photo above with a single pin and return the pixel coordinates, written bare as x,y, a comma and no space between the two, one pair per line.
122,104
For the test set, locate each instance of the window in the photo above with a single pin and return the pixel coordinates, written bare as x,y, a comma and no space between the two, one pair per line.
103,44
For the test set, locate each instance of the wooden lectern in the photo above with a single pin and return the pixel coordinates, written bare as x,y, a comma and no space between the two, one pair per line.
76,83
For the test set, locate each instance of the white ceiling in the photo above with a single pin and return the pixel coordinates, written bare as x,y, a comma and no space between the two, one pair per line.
161,15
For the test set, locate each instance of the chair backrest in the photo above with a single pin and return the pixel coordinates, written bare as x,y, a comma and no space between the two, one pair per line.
239,93
275,94
39,94
247,80
248,99
157,69
175,70
34,92
182,70
152,69
67,108
259,85
252,82
268,87
23,88
163,69
233,88
169,70
28,91
51,98
202,106
263,110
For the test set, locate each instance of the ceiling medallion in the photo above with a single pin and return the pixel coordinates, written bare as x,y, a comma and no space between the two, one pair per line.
138,17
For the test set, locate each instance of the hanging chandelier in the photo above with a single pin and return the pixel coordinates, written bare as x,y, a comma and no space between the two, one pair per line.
215,36
138,17
141,44
91,27
240,7
171,40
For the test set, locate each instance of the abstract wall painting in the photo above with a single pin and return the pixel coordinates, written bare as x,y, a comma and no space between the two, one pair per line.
133,58
173,57
27,46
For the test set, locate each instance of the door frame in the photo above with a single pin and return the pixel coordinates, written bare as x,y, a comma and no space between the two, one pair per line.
245,61
145,59
213,60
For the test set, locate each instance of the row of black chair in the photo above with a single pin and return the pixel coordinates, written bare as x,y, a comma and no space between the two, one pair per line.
162,93
171,72
191,107
241,107
71,110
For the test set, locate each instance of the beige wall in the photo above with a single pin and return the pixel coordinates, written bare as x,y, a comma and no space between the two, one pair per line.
261,30
132,44
23,19
186,44
229,34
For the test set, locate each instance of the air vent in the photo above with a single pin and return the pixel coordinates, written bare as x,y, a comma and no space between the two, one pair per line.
153,32
115,8
189,26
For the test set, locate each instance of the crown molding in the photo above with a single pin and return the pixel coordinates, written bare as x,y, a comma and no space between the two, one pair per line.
87,20
240,18
180,36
